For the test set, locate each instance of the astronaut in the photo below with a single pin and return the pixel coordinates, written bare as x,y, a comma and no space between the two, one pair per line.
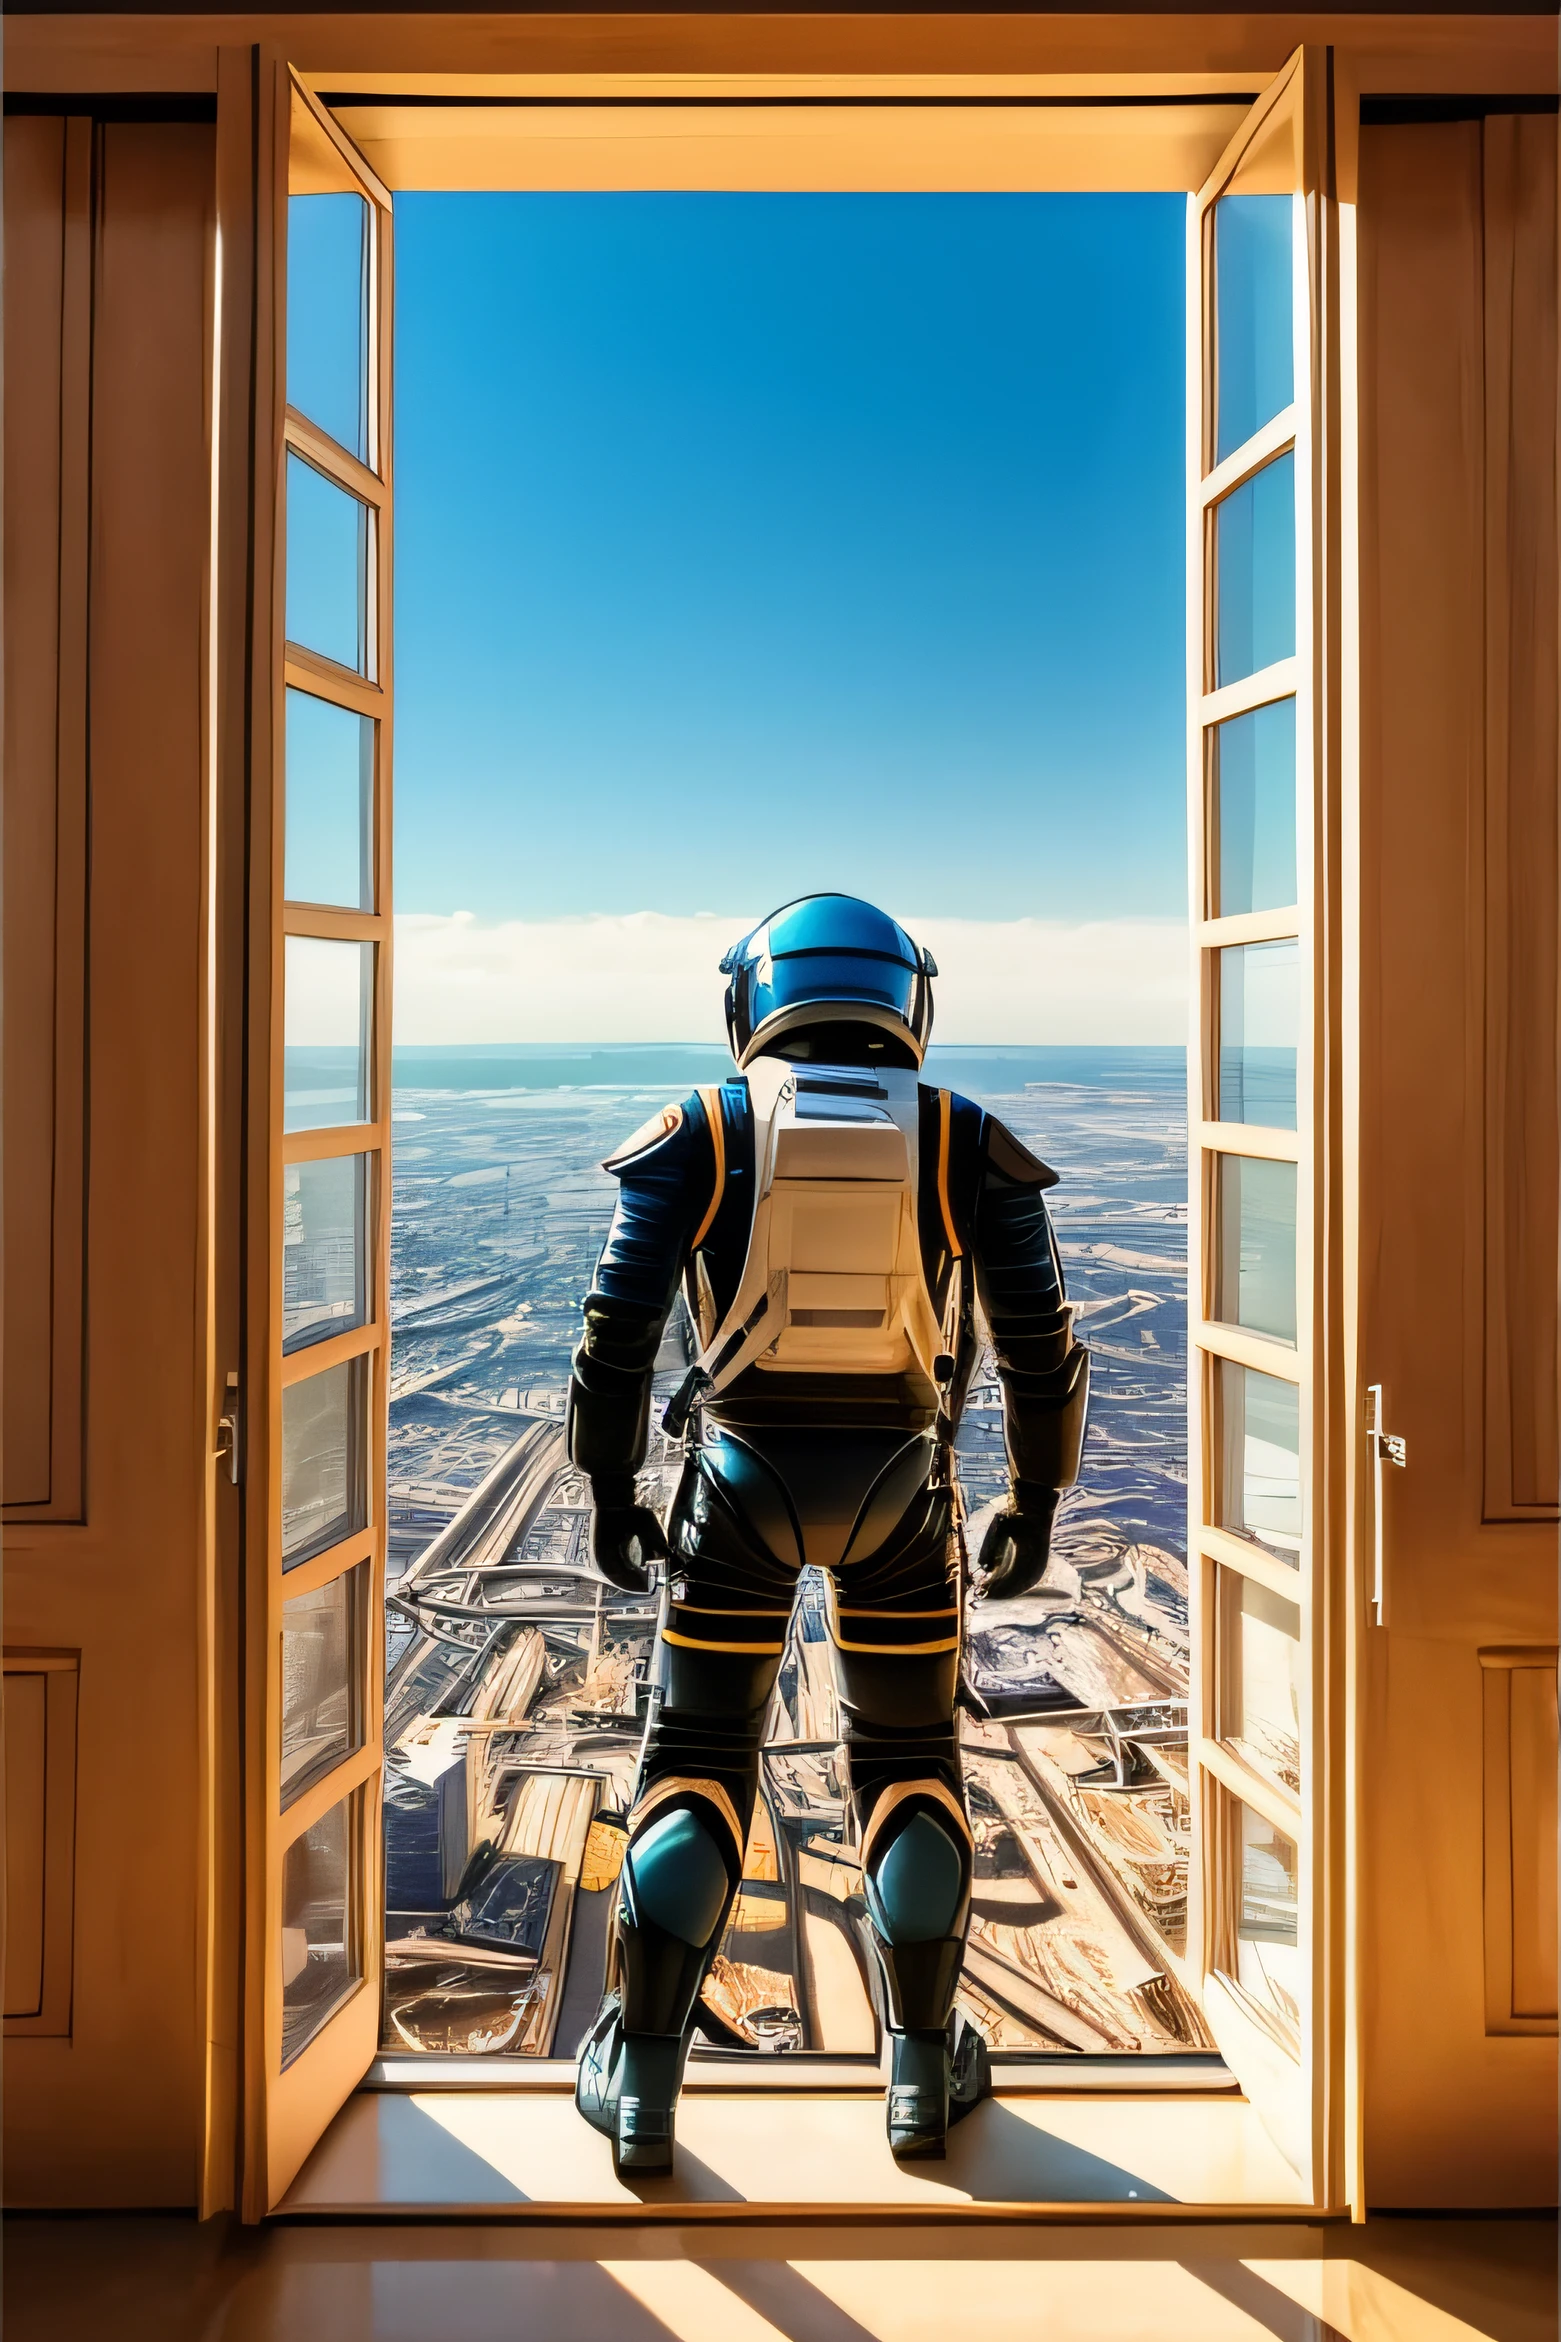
835,1224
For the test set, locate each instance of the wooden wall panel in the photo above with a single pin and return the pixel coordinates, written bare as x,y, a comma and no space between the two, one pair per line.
1522,868
1531,1759
1520,1720
1422,750
26,1772
113,2113
47,313
41,1703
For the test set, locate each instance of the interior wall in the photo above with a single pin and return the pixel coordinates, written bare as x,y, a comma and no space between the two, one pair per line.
107,289
1458,1174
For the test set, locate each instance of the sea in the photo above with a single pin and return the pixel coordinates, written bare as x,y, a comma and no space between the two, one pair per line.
500,1208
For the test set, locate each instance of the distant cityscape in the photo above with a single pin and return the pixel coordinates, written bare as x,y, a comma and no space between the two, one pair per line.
518,1684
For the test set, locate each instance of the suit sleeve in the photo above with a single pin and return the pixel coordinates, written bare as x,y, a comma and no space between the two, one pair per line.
1043,1371
663,1190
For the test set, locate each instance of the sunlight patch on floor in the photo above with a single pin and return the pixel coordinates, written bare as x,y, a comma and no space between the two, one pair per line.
692,2302
1363,2304
1019,2301
471,2148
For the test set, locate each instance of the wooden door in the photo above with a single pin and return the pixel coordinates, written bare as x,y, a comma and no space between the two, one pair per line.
1458,1156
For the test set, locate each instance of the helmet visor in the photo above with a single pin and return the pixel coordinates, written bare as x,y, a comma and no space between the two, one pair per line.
832,979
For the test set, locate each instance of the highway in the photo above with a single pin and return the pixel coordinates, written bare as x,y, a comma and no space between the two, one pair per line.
499,1510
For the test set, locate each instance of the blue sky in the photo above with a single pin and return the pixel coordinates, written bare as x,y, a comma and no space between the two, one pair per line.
753,544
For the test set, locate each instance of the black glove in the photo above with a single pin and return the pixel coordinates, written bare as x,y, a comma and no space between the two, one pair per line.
625,1536
1017,1545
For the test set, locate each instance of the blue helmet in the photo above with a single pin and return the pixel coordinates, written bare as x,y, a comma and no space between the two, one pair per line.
827,959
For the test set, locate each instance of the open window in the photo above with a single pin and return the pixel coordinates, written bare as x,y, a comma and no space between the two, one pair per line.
1259,1105
1261,1127
320,1091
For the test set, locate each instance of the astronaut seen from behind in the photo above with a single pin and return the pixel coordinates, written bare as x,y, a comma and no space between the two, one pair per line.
836,1225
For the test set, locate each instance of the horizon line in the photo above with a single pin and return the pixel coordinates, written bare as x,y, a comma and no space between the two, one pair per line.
670,1044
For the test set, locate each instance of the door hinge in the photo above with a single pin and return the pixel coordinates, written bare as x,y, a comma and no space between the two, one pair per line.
1386,1448
229,1428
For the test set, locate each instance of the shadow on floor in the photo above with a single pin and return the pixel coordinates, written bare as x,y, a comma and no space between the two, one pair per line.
995,2155
122,2278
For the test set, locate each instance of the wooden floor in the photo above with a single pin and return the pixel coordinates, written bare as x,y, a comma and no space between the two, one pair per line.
528,2155
166,2280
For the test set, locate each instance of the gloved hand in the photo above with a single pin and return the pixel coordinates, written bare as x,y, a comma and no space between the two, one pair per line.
1017,1545
625,1536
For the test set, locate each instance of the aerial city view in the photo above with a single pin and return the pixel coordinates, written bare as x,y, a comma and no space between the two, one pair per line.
518,1683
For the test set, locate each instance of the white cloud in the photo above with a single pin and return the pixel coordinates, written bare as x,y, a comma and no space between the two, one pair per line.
1058,980
644,976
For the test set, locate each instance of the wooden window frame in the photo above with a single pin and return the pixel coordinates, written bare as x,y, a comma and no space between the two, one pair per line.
1300,2096
284,2103
1218,1774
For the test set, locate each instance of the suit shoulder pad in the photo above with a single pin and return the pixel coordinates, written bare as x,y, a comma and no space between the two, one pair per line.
647,1139
1013,1159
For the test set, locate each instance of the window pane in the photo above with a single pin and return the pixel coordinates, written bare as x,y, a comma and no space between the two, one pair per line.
1262,1688
322,1460
324,1249
327,567
328,315
330,804
320,1959
322,1708
1254,314
1258,1484
1254,555
1252,811
1268,1949
1255,1249
1260,1007
329,1004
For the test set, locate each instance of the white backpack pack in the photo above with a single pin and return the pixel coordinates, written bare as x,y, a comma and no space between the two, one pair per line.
834,1281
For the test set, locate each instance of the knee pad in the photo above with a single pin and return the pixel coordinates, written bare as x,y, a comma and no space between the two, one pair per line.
916,1886
677,1878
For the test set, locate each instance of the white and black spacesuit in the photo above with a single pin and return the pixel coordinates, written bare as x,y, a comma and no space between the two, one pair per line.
834,1224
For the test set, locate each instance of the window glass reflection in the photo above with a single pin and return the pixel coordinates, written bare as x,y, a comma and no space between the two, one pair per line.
1259,1019
1254,315
327,1016
320,1958
1268,1944
330,804
1262,1678
1258,1471
1255,1246
328,315
323,1490
327,567
322,1718
1252,811
324,1249
1254,566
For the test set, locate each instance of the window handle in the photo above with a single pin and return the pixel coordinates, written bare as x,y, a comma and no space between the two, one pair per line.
1386,1448
228,1430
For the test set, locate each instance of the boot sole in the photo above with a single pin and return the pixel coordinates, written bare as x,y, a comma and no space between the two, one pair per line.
919,2150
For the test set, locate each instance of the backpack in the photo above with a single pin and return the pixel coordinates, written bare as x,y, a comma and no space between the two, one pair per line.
833,1281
